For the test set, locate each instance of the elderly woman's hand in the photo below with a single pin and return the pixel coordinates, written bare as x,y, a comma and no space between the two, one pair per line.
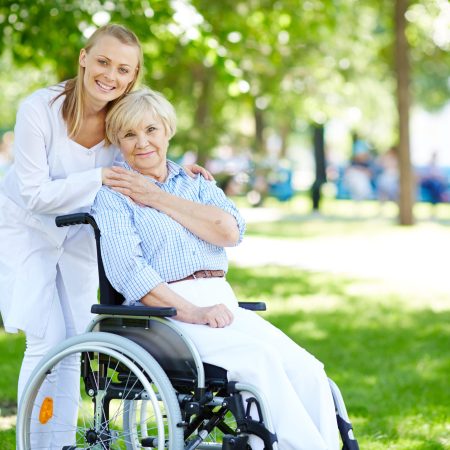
216,316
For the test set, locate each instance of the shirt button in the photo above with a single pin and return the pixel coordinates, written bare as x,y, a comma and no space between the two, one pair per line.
89,152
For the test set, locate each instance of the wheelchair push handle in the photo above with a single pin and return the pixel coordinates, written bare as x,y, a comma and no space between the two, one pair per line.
76,219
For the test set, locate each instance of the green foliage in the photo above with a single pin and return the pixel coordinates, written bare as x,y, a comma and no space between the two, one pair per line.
228,65
17,83
430,52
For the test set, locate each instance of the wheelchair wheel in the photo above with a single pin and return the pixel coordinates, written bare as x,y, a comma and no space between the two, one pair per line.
115,373
137,417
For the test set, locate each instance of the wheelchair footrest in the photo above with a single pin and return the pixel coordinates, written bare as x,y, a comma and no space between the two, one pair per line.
230,442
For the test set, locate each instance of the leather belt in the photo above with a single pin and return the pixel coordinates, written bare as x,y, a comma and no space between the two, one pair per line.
202,274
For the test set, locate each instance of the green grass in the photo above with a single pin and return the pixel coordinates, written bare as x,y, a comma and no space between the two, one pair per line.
12,346
11,351
391,360
387,346
293,219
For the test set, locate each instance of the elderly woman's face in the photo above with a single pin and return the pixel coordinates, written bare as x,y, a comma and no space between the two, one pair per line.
145,147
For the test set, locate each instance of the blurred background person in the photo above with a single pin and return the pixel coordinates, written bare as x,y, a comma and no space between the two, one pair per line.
433,182
387,181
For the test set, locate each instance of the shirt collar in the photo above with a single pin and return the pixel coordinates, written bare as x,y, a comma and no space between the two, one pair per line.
173,170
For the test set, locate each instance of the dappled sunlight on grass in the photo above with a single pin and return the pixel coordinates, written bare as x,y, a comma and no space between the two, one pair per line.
313,331
384,344
299,226
12,347
390,360
283,283
8,439
294,226
342,210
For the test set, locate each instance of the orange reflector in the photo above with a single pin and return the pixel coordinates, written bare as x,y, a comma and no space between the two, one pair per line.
46,412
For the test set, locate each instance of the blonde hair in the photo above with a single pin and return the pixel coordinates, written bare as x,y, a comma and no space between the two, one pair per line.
128,113
73,108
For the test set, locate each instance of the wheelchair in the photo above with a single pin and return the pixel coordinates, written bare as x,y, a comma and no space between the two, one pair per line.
143,385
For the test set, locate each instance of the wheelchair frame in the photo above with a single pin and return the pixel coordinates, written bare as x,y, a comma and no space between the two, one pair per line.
134,356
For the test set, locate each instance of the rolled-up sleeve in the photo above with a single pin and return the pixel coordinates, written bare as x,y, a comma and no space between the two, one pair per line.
210,194
125,266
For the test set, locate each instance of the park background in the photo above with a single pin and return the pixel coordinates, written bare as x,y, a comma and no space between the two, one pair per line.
265,86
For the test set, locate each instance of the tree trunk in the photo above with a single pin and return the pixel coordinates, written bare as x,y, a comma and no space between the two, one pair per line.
285,131
260,146
319,158
204,80
403,102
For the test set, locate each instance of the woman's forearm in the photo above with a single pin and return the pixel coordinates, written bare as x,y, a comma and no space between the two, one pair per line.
208,222
215,316
163,296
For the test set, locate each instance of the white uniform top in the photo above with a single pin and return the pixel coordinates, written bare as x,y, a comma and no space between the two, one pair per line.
51,175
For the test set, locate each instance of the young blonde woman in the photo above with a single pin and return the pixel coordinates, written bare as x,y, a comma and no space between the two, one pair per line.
48,275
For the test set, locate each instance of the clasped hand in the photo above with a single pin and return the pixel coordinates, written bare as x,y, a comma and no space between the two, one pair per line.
216,316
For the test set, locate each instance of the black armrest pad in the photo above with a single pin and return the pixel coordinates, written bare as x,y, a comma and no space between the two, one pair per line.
73,219
253,306
143,311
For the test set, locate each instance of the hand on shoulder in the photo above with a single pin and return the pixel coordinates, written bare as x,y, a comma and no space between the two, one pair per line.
194,169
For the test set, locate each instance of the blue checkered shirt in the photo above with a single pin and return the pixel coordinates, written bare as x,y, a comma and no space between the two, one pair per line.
143,247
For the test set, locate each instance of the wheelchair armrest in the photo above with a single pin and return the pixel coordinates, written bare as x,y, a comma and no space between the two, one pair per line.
253,306
142,311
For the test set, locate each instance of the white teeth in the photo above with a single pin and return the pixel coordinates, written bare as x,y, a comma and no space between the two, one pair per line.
104,86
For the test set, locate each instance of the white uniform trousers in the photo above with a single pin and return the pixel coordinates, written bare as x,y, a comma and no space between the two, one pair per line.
255,352
69,315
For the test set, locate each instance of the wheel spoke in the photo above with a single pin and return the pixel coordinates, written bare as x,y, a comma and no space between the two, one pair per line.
119,373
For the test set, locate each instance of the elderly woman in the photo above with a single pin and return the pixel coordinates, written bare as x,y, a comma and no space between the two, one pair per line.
163,239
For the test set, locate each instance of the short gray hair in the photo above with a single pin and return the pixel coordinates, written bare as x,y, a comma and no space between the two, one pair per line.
128,113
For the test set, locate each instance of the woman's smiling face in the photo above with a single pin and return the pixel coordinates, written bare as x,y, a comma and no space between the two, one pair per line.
144,147
110,66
